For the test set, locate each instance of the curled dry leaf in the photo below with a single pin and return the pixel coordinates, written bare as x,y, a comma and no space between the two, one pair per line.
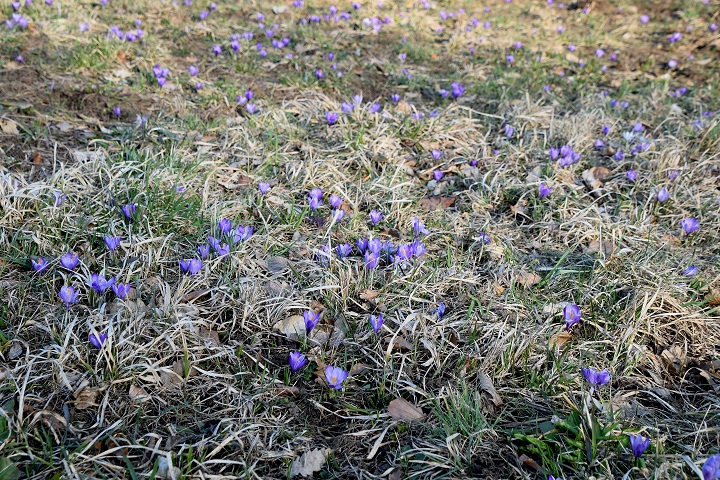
8,126
675,359
713,297
529,462
138,394
520,208
528,279
85,397
432,203
235,181
559,340
292,327
309,462
399,343
607,247
401,409
486,385
368,294
595,177
358,369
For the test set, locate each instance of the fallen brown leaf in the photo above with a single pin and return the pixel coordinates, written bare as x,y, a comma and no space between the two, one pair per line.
358,369
309,462
713,297
432,203
529,462
85,397
368,294
486,384
558,340
401,409
528,279
520,208
8,126
138,394
292,327
399,343
674,359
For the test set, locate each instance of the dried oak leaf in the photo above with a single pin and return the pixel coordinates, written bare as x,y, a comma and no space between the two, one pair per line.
309,462
399,343
292,327
368,294
432,203
486,385
558,340
528,279
401,409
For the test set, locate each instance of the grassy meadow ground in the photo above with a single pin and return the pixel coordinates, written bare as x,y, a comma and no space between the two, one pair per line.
193,380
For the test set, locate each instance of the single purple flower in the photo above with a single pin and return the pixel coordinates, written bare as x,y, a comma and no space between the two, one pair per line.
193,70
673,175
362,244
203,252
638,444
376,322
111,242
644,18
331,118
129,210
510,58
631,175
311,319
335,376
251,108
395,98
296,360
97,341
39,265
572,315
619,155
343,250
440,310
121,290
117,111
457,90
314,203
217,49
544,190
436,154
689,225
70,260
438,175
335,201
264,187
663,195
224,226
375,217
711,467
691,271
68,295
419,227
672,64
372,260
509,130
319,74
59,198
605,129
594,378
554,153
99,284
338,214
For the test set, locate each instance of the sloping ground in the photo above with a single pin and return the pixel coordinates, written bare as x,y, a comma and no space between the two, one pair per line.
192,380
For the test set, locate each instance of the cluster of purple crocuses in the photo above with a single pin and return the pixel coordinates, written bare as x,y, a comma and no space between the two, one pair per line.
227,237
128,35
161,74
245,100
564,155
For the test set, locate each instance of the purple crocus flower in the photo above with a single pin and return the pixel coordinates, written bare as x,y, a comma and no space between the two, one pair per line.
438,175
203,252
436,154
250,108
711,467
338,214
99,284
97,341
638,444
311,319
314,203
362,244
510,58
594,378
335,376
572,315
191,266
457,90
395,98
631,175
224,226
544,190
343,250
509,130
331,118
111,242
689,225
663,195
419,227
68,295
644,18
599,143
691,271
605,129
375,217
217,49
372,260
117,111
619,155
673,175
335,201
319,74
39,265
59,197
264,187
129,210
121,290
440,310
376,322
296,360
70,260
554,153
193,70
484,238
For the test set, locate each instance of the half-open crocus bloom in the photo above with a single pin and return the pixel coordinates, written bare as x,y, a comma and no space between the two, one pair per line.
689,225
375,217
343,250
68,295
544,190
335,376
596,378
129,210
121,289
438,175
97,341
440,310
297,361
663,195
111,242
631,175
335,201
39,265
691,271
311,319
263,187
70,260
572,315
419,227
224,226
99,284
376,322
638,444
711,467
